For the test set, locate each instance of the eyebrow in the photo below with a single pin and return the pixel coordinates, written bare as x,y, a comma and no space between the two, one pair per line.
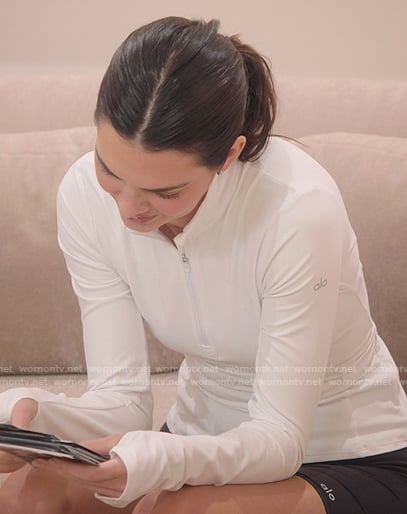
157,190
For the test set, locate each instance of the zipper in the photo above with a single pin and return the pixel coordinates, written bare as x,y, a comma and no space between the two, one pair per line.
185,261
201,331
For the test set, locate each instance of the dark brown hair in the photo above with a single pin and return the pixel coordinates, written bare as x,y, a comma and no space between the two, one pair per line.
179,84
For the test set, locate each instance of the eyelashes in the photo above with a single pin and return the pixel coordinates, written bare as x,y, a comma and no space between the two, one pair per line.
106,171
165,196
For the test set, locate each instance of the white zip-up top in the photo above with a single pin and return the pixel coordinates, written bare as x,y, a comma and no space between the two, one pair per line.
263,292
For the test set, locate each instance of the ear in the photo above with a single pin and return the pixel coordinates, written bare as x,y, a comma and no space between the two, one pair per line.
234,152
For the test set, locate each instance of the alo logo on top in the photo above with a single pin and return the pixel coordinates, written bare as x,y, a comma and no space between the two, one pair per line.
322,283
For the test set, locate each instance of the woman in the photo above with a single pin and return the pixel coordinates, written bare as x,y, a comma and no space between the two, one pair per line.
237,250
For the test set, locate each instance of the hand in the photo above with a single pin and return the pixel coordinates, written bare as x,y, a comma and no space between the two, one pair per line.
24,411
108,478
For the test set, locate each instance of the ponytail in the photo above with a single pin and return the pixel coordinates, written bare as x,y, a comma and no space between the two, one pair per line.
261,103
178,84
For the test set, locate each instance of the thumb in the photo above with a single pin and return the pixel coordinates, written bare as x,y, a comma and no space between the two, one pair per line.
24,411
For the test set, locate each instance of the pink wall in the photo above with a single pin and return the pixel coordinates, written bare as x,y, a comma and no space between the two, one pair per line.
349,38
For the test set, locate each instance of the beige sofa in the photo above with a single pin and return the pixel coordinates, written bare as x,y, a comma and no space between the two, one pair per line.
357,129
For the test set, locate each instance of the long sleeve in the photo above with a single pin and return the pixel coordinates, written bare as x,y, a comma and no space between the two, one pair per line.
119,397
299,277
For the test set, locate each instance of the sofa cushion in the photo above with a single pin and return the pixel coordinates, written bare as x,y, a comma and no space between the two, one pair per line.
39,315
320,105
371,172
34,102
306,105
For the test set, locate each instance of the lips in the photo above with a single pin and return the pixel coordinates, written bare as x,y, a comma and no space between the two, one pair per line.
141,219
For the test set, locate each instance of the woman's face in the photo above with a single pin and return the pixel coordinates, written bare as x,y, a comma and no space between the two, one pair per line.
151,189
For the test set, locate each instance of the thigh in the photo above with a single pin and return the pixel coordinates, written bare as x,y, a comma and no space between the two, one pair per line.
291,496
36,491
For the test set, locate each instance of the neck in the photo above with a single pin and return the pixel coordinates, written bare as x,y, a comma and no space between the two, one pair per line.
170,231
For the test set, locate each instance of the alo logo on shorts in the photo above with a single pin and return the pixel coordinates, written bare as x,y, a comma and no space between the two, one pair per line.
328,492
322,283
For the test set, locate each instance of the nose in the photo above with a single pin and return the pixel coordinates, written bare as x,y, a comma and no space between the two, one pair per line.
133,203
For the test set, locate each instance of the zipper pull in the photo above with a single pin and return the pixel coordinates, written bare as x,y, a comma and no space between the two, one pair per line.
186,262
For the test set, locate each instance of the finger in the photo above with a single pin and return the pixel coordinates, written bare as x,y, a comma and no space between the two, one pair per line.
10,462
9,457
108,470
24,411
109,482
65,468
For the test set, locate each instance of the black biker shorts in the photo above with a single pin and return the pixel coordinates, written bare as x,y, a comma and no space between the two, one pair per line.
368,485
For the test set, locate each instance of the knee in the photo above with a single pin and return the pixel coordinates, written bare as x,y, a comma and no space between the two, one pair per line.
164,502
170,501
197,499
44,506
30,504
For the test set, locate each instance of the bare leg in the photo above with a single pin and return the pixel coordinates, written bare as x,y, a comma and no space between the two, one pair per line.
39,492
292,496
36,491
